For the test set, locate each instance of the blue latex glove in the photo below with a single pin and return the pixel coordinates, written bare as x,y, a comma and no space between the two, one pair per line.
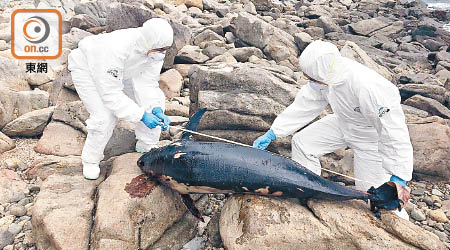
398,180
151,120
263,141
160,114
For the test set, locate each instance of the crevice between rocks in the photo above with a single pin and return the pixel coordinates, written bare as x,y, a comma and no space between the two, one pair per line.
94,210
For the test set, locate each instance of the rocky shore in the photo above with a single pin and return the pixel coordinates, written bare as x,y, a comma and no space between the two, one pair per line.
238,58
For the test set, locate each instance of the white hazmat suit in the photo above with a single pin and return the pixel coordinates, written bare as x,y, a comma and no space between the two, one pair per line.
367,116
115,78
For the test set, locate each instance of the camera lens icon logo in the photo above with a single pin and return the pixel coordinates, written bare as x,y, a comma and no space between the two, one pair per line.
36,29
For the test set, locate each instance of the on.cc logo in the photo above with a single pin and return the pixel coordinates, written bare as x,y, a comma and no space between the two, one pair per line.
36,34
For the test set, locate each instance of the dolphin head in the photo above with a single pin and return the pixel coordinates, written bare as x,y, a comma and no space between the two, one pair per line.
152,162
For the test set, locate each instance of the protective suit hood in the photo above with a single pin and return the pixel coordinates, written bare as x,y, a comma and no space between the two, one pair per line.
156,33
323,62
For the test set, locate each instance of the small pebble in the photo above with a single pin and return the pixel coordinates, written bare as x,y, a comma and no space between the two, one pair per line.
447,227
438,215
8,247
28,226
428,201
20,235
208,210
220,196
421,204
6,238
442,236
35,188
409,207
436,192
22,166
18,210
419,185
25,218
418,215
418,191
17,196
11,163
431,223
25,201
440,226
15,229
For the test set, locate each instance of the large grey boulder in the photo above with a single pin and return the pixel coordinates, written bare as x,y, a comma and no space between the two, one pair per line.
353,51
266,5
29,124
328,24
276,43
73,114
6,143
435,92
14,104
244,53
367,26
12,75
45,165
431,147
123,140
191,54
64,203
182,36
11,186
123,222
242,100
124,15
71,39
257,222
430,105
60,139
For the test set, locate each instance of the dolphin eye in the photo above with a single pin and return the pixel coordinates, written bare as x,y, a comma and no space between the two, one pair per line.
140,163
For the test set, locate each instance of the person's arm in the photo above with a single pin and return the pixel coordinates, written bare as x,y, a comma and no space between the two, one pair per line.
106,65
308,104
381,106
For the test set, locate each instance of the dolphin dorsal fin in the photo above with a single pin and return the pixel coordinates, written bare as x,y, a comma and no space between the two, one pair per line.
193,123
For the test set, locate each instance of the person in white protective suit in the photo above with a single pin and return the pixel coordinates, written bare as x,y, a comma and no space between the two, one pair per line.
367,116
116,76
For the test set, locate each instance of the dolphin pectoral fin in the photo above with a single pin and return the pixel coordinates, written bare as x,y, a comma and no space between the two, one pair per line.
193,123
190,205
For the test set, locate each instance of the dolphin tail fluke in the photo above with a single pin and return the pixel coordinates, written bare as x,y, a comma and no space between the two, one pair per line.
388,196
193,123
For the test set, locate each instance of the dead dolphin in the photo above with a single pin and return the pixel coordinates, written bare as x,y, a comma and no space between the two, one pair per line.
189,166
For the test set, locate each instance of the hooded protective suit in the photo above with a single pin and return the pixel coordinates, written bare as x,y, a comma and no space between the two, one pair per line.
367,116
115,78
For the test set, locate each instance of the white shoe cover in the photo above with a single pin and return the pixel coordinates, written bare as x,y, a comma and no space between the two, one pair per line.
141,147
402,214
91,171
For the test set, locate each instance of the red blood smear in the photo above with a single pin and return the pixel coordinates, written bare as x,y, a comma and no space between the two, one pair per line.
140,186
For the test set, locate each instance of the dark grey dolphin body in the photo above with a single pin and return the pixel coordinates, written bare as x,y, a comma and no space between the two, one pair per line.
188,166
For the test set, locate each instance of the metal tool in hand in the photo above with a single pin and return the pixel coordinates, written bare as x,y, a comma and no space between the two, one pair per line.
245,145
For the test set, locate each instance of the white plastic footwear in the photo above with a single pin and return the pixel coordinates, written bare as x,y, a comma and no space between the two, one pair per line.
91,171
402,214
140,150
141,147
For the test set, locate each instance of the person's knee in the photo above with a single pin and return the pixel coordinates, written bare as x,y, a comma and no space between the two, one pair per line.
102,124
298,142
